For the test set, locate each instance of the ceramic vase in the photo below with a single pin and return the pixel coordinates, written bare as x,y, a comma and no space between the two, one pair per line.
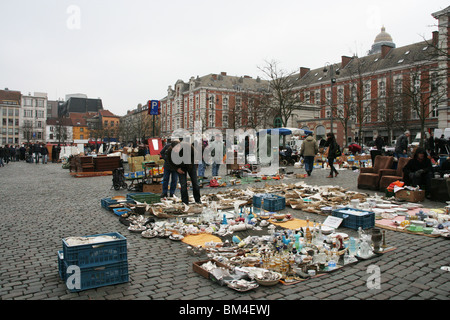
377,237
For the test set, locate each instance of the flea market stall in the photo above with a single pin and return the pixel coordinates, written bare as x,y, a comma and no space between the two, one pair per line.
245,238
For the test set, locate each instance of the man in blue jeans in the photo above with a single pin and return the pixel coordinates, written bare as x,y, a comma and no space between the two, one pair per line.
217,154
169,174
308,151
180,157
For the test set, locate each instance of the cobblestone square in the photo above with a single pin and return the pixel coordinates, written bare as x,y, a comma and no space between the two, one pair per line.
41,204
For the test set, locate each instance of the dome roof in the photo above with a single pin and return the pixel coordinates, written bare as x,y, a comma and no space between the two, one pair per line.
383,36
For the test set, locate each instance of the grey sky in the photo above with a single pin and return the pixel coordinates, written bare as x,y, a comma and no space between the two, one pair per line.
129,52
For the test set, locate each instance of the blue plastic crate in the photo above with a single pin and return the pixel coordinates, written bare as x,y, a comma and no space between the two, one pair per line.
121,211
95,254
272,202
108,202
355,218
99,276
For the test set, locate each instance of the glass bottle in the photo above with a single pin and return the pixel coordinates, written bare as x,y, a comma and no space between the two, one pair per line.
308,232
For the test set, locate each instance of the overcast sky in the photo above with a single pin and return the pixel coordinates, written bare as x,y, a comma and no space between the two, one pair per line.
129,52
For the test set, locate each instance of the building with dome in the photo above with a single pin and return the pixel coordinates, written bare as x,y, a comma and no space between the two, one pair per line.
388,91
382,39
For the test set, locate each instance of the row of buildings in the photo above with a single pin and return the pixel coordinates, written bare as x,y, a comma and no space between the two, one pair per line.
385,92
77,119
34,118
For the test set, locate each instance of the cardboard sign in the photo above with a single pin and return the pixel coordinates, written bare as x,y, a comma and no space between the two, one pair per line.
332,222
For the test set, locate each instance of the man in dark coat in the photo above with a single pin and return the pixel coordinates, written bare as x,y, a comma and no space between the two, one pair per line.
2,155
22,152
401,147
37,151
182,162
419,171
44,153
169,174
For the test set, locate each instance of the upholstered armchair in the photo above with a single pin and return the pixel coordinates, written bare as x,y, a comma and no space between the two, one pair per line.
391,175
369,178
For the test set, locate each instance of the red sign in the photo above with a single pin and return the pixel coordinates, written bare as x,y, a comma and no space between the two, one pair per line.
154,146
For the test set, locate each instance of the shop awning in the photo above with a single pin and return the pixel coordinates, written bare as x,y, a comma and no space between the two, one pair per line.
287,131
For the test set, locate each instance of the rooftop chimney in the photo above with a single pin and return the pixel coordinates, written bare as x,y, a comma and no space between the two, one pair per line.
303,71
223,73
435,38
345,61
385,50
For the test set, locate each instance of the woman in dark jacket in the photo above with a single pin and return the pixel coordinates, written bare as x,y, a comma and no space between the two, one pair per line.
419,171
332,149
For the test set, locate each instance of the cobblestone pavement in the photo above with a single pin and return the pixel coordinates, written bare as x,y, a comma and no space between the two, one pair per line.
41,204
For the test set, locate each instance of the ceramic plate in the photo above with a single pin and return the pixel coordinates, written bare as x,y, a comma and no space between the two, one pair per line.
384,205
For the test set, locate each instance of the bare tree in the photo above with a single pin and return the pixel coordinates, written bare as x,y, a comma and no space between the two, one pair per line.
360,102
389,107
281,87
422,93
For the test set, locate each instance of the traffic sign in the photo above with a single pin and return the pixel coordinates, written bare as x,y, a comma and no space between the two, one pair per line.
154,107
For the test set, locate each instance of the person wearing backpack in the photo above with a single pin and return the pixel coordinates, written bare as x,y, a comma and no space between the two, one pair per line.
334,151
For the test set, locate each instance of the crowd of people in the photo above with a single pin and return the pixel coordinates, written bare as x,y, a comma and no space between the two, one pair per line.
29,152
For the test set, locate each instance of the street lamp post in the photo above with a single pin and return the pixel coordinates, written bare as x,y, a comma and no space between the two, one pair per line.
333,73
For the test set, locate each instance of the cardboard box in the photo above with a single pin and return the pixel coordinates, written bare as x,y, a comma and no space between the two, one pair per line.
153,188
196,267
410,195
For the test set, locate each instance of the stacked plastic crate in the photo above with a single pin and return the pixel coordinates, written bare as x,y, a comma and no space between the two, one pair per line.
94,264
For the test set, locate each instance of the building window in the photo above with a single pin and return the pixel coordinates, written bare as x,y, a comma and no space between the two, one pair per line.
317,98
211,120
341,96
81,136
367,113
367,91
81,129
329,96
225,121
382,89
434,110
225,103
398,85
277,123
238,102
307,97
354,95
320,132
381,112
